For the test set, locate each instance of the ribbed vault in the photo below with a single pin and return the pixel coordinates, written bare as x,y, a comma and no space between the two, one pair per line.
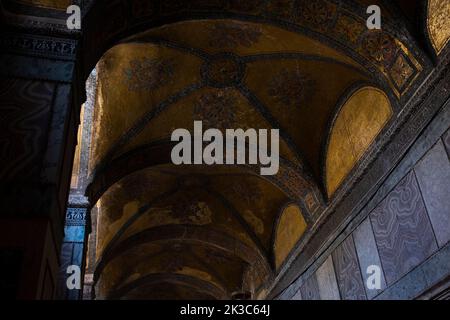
308,68
219,229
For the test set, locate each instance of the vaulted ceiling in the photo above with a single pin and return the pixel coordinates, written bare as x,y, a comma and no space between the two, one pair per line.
309,68
224,226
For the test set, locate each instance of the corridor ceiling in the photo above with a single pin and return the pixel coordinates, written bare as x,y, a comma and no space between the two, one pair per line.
309,68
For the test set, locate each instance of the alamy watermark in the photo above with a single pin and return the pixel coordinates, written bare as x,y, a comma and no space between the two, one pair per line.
74,20
236,147
374,20
373,281
73,281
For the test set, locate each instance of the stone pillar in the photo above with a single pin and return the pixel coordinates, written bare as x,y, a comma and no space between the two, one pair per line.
39,107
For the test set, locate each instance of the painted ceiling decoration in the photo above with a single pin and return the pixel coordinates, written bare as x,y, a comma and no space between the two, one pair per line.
341,24
168,77
308,68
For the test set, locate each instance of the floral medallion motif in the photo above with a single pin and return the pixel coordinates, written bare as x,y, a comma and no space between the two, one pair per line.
148,74
223,71
349,28
291,88
401,72
381,47
318,14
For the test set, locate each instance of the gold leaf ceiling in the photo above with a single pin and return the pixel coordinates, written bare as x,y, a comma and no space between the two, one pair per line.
438,23
168,232
229,74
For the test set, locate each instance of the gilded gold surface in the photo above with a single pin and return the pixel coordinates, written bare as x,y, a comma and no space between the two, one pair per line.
125,74
291,227
295,92
135,78
306,119
257,199
121,101
438,23
243,38
358,123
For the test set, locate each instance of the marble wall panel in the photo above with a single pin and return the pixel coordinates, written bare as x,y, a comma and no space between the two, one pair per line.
367,252
433,175
348,272
310,289
326,280
402,230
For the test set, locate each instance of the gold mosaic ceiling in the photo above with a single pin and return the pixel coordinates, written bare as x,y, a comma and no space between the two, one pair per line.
438,23
211,232
296,81
224,226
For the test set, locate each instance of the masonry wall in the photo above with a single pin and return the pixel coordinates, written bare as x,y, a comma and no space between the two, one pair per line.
406,232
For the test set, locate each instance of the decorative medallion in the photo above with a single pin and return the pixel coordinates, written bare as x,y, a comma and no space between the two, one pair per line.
317,14
401,72
224,70
347,27
381,47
